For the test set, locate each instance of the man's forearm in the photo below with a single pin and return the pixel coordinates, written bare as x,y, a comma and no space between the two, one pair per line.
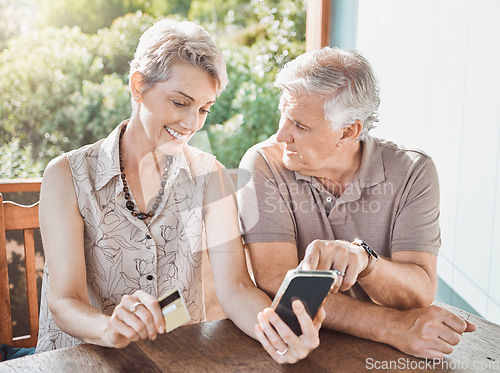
358,318
417,332
399,285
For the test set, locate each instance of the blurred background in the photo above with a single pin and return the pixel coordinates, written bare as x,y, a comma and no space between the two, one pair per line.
64,67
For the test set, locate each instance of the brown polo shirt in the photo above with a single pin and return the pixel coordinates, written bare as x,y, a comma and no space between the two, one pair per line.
392,203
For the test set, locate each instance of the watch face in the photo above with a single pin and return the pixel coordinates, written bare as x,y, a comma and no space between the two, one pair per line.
367,247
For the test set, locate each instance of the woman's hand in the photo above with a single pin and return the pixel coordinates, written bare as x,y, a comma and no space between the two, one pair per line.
281,342
138,316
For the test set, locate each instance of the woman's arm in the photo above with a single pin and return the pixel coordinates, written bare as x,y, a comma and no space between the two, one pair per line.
62,230
242,302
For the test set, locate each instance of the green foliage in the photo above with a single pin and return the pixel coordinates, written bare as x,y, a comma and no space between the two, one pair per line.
88,15
96,109
248,108
17,162
116,45
14,17
58,91
38,73
93,15
63,88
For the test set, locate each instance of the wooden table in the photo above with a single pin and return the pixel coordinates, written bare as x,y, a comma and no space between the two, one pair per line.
219,346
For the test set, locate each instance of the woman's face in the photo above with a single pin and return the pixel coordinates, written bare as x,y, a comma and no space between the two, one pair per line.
172,111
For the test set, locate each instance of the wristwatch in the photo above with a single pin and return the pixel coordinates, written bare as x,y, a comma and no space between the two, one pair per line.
372,257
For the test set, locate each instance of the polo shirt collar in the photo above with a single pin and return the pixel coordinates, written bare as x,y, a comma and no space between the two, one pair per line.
371,171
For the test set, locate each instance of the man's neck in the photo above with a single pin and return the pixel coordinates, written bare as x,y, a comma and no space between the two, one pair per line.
345,169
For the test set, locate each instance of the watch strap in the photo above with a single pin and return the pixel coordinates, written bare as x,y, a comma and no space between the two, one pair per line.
372,258
369,267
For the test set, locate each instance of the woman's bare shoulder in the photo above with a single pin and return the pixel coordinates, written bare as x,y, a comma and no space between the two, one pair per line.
57,175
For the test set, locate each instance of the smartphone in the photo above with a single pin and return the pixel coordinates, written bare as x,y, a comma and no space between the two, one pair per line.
311,287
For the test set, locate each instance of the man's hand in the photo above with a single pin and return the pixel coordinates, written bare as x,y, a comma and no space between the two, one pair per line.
342,256
280,342
429,332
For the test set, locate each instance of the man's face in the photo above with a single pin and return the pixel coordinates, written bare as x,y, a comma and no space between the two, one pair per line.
310,143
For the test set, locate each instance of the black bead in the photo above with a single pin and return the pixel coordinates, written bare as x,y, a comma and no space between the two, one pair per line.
127,196
158,199
130,205
150,277
142,215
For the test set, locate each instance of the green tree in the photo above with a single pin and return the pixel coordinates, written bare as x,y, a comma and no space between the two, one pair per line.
88,15
38,73
63,88
247,112
96,109
18,162
93,15
58,91
116,45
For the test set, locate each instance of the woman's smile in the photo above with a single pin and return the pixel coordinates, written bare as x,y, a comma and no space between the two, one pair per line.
176,135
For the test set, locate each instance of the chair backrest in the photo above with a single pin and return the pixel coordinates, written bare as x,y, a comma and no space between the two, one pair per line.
18,217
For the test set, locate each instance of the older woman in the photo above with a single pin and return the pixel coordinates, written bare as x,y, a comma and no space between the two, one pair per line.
123,220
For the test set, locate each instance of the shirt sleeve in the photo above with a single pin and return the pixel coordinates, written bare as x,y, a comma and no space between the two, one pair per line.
265,216
416,226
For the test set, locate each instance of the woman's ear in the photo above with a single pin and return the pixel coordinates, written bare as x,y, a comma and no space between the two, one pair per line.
351,132
136,81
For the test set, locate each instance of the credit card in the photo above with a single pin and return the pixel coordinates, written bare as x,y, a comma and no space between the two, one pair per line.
174,310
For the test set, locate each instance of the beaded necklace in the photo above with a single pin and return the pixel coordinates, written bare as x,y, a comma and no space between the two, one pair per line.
130,204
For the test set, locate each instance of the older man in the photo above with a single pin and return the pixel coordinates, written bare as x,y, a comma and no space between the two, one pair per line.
323,191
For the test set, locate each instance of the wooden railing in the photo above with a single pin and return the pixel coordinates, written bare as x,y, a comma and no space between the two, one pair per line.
20,185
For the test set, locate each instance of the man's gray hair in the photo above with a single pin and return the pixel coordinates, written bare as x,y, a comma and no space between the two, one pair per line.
344,77
169,41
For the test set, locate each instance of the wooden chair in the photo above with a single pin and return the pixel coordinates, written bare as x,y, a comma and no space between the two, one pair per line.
18,217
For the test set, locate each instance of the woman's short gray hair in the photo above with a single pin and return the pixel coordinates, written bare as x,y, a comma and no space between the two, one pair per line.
344,77
169,41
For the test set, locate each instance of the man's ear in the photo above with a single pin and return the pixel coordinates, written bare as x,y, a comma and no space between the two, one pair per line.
351,132
136,81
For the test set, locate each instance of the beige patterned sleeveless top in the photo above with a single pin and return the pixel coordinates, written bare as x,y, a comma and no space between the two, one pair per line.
122,253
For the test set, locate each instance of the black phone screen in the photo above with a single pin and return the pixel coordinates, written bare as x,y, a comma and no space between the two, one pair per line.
310,290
